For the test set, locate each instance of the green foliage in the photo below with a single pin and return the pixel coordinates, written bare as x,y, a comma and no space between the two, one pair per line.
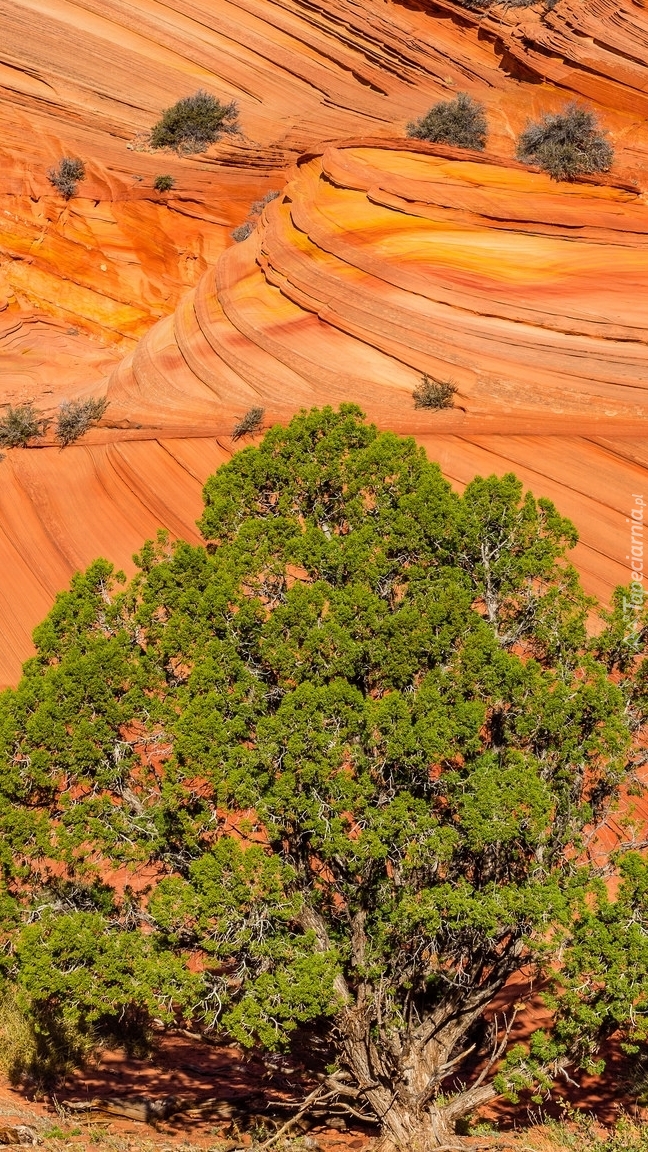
164,183
194,122
433,393
460,122
360,740
20,424
76,417
66,176
566,144
18,1047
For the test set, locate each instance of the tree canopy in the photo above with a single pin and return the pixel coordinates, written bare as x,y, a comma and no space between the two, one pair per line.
343,767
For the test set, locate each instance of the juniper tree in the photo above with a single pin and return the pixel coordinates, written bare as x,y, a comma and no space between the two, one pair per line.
362,743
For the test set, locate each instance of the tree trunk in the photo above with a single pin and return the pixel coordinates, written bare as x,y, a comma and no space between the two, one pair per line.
401,1090
403,1131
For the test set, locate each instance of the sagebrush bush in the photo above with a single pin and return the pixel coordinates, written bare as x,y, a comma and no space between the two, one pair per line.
195,122
247,227
258,205
251,422
21,424
67,175
433,393
164,183
460,122
566,144
242,231
75,417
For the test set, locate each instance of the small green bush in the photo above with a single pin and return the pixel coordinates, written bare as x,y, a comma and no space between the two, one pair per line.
17,1042
21,424
433,393
26,1052
460,122
566,144
66,176
251,422
163,183
75,417
194,123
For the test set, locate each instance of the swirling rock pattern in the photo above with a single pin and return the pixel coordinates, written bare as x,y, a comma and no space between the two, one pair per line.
90,77
379,261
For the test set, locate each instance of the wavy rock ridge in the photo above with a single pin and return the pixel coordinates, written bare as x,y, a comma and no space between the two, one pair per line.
89,77
380,261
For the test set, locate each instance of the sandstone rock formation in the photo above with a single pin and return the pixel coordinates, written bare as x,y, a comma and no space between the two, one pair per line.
90,78
380,260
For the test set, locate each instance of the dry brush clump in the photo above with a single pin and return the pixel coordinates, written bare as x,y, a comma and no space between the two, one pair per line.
66,176
20,425
76,417
566,144
433,393
460,122
194,122
23,423
242,231
248,424
24,1056
247,228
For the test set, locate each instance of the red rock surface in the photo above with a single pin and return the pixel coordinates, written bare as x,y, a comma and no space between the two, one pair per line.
388,262
379,263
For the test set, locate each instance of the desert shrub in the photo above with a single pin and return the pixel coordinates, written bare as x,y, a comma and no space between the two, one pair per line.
251,422
566,144
75,417
242,231
460,122
17,1041
21,424
246,229
163,183
257,207
578,1132
194,123
66,176
26,1048
433,393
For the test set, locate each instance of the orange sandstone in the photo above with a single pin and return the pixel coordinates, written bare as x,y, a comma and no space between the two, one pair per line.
380,260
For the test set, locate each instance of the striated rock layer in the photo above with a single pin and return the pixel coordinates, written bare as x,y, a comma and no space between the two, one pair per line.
90,78
378,264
